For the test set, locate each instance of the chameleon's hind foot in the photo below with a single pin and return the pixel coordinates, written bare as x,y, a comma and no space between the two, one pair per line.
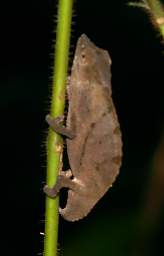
62,182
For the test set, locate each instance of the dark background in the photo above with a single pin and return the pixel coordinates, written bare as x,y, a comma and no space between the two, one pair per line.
128,219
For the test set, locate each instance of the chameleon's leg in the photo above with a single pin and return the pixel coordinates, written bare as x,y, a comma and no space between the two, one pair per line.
57,126
62,182
67,173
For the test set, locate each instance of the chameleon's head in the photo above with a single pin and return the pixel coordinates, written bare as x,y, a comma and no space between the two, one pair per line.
90,59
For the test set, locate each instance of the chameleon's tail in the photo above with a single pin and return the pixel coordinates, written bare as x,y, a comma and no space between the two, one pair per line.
77,207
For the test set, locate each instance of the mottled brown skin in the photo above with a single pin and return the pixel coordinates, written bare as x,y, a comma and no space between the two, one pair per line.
95,147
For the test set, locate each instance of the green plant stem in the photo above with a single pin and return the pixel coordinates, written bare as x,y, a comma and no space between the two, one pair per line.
157,13
54,141
155,9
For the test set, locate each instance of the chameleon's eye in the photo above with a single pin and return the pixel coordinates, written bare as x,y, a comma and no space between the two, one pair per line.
83,54
83,58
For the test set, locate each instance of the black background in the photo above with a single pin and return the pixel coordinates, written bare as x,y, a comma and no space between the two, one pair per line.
137,79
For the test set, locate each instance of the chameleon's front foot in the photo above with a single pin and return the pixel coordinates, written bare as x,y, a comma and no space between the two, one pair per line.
56,125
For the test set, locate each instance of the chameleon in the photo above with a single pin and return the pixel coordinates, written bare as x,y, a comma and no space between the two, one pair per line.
93,136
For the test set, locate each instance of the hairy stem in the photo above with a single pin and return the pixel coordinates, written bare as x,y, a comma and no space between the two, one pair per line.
54,141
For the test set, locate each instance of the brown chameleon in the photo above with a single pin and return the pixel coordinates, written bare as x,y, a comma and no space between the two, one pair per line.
94,143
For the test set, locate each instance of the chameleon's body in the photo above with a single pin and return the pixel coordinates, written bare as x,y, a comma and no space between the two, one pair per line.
95,151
